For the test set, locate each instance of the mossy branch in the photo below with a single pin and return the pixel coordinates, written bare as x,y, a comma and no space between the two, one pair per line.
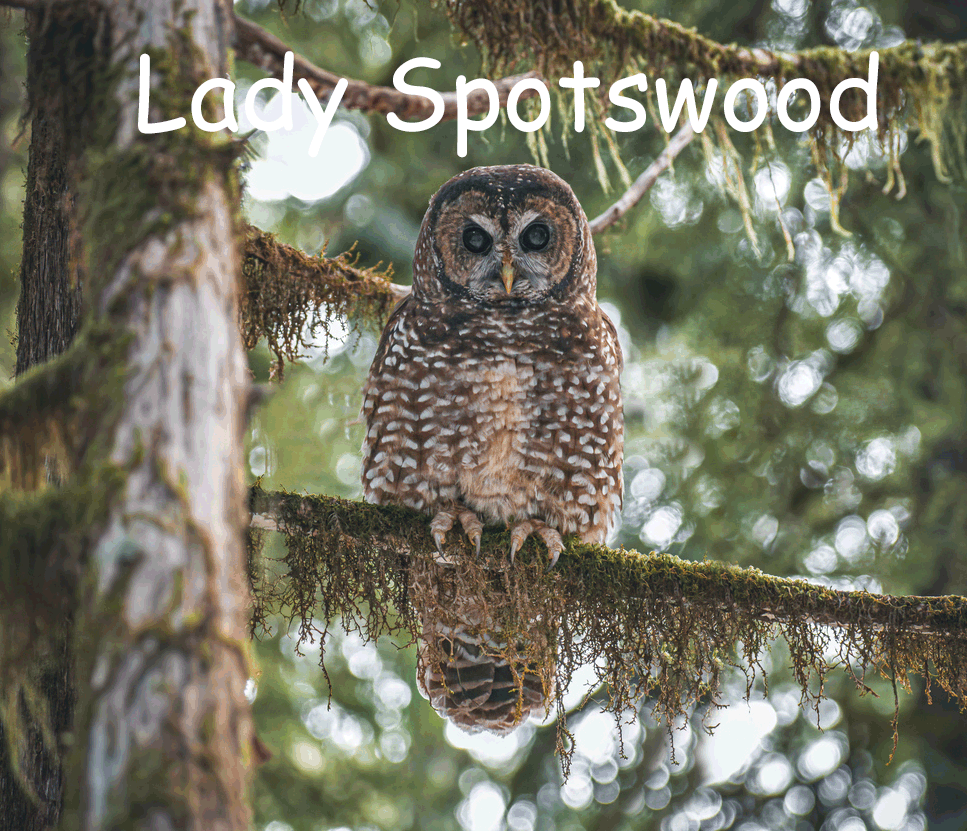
290,297
920,86
616,40
653,623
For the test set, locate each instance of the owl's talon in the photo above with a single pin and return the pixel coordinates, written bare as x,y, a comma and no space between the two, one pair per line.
555,545
518,534
439,526
552,539
472,527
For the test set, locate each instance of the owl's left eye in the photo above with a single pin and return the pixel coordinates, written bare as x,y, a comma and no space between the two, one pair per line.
476,240
535,237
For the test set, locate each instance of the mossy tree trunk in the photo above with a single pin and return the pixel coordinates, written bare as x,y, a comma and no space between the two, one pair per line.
48,316
161,730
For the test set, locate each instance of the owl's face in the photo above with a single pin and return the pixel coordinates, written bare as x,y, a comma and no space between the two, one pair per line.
510,234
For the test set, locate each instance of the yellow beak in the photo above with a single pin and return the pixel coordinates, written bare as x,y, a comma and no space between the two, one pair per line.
507,276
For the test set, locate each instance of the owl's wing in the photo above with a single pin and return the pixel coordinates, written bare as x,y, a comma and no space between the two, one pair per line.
609,505
611,341
389,421
389,330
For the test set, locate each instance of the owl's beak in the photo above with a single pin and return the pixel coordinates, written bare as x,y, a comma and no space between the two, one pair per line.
507,273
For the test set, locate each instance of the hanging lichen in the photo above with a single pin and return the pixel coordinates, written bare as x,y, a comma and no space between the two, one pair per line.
649,625
290,298
920,86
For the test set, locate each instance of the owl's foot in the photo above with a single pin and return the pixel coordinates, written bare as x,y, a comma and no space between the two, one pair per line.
552,539
443,522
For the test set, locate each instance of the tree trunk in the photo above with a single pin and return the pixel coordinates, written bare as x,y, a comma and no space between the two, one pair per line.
162,729
49,308
48,316
161,732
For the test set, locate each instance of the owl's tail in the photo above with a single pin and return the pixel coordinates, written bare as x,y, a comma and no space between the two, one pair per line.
475,686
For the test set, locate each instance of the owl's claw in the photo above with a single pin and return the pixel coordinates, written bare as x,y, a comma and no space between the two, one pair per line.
443,522
552,539
472,527
439,526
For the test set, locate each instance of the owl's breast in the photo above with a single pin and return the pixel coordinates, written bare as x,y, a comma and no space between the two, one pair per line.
512,416
492,460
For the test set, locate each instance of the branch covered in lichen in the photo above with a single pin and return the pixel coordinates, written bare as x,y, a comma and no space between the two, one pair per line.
653,624
289,297
920,86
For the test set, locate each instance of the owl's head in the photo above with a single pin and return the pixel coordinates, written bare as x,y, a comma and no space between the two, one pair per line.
512,233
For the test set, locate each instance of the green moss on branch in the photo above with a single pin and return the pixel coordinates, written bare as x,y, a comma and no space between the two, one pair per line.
921,86
653,624
290,297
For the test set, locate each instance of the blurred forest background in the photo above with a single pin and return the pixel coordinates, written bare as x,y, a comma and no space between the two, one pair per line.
804,417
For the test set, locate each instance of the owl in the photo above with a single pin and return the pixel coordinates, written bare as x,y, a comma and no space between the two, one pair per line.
494,396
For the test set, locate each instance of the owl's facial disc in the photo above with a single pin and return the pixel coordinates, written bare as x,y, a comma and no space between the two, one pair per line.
505,236
520,253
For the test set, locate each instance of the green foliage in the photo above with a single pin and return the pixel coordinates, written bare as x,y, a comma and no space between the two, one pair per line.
713,333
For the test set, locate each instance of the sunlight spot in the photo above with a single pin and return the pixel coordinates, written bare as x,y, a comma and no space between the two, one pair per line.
737,738
662,525
488,749
883,528
822,756
483,808
798,383
286,169
877,460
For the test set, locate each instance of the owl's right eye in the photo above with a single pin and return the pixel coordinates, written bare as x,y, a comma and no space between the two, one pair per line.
476,240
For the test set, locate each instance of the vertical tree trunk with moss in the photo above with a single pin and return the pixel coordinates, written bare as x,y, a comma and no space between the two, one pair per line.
48,315
161,731
162,728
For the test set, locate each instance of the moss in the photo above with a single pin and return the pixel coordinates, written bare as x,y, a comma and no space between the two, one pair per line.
290,297
649,624
920,86
43,540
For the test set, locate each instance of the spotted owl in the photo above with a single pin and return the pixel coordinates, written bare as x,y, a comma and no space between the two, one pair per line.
493,396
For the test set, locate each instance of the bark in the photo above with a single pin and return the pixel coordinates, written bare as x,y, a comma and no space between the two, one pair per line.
48,316
49,308
162,729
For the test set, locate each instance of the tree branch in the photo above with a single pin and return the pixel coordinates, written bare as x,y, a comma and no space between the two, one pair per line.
263,49
291,297
643,183
616,39
748,590
652,625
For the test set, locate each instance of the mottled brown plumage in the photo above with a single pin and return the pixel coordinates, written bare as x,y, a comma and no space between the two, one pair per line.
494,396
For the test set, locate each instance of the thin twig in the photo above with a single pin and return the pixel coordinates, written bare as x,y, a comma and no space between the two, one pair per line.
643,183
263,49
